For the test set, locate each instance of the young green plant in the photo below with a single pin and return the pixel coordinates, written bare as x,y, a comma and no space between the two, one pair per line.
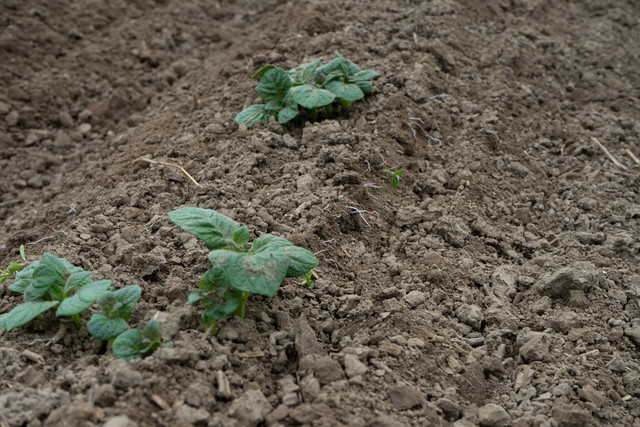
309,86
238,269
13,267
52,282
394,173
116,309
136,343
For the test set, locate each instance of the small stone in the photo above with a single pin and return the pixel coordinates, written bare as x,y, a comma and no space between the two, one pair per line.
541,305
353,366
451,409
250,408
120,421
492,415
470,314
633,333
106,395
35,182
310,388
289,141
12,118
582,275
193,416
536,349
590,394
415,342
65,119
406,397
4,108
415,298
327,370
562,389
200,395
176,355
123,376
84,129
306,341
571,416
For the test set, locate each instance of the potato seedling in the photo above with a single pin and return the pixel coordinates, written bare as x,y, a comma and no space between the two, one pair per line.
52,282
308,86
136,343
13,267
116,309
238,270
394,173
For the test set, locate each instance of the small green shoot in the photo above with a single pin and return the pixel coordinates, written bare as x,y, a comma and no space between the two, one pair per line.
116,309
13,267
136,343
52,282
394,173
310,87
238,270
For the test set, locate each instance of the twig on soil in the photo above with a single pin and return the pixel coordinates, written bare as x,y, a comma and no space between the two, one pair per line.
38,241
156,162
494,134
415,138
368,166
439,141
633,156
37,340
371,185
72,209
613,159
384,162
361,211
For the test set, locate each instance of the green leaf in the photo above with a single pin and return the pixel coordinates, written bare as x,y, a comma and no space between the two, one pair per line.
260,273
128,345
346,91
262,270
310,96
3,323
119,304
349,68
213,279
263,70
333,65
24,278
56,277
253,114
364,75
49,273
82,300
365,86
220,311
273,107
16,266
151,339
25,313
274,84
215,229
241,236
104,328
290,109
301,74
286,115
301,261
196,295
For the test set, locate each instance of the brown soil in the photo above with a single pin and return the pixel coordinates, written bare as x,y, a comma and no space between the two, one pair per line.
497,285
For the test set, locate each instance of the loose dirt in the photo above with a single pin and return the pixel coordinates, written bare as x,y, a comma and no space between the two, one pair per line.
497,285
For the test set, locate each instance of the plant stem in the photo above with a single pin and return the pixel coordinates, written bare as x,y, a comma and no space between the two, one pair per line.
346,104
76,319
328,111
243,299
313,115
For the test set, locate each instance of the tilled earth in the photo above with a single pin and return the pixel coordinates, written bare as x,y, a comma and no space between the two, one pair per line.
497,285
